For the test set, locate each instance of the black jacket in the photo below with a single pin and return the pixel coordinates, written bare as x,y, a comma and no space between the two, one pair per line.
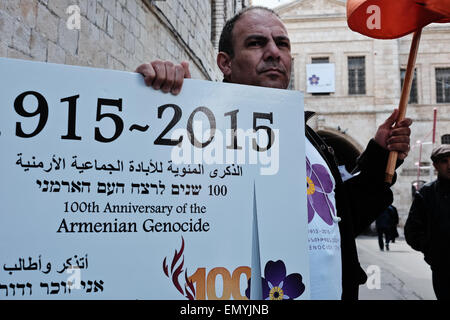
427,228
388,219
359,201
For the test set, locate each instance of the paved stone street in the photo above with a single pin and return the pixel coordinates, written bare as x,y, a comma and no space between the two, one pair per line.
404,275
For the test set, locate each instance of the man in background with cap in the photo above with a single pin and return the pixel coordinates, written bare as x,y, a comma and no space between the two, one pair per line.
427,228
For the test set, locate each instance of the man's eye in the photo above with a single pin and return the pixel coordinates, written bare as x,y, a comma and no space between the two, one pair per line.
254,43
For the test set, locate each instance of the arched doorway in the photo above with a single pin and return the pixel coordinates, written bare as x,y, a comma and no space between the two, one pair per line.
345,148
346,151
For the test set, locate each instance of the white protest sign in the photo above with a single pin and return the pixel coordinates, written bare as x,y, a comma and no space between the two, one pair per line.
111,190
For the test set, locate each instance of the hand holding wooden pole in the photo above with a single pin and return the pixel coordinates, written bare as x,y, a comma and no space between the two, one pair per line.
392,160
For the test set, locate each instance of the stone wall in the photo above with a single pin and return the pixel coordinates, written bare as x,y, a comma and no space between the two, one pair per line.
116,34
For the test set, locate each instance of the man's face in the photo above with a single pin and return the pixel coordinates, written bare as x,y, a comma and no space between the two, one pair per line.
443,168
262,51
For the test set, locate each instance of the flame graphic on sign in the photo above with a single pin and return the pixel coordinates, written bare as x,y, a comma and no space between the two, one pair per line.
189,289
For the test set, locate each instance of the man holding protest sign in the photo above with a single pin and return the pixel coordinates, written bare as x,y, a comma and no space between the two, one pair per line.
254,49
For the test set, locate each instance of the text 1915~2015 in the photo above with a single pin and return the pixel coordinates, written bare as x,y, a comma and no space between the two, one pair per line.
42,111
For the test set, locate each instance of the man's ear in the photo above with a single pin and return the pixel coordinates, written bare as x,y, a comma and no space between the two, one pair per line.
224,63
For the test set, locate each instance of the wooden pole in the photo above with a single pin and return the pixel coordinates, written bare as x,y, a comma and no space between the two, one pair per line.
420,161
434,125
392,160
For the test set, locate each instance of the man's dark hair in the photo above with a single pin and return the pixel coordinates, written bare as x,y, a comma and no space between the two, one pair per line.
226,37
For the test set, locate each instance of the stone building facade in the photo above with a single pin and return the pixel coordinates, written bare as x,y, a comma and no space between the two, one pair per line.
318,31
116,34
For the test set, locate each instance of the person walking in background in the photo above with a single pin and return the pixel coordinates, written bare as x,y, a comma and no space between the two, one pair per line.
395,220
386,225
427,228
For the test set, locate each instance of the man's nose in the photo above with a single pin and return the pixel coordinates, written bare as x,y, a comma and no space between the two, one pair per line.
272,51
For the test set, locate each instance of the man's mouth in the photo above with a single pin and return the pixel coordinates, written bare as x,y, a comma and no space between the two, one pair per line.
273,70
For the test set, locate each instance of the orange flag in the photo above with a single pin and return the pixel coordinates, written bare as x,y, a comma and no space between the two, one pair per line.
390,19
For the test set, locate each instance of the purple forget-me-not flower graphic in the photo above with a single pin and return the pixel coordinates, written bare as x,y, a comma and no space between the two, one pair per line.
319,185
276,285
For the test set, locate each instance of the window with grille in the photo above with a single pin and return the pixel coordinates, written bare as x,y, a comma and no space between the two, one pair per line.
356,75
292,82
445,139
213,21
320,60
443,85
413,93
